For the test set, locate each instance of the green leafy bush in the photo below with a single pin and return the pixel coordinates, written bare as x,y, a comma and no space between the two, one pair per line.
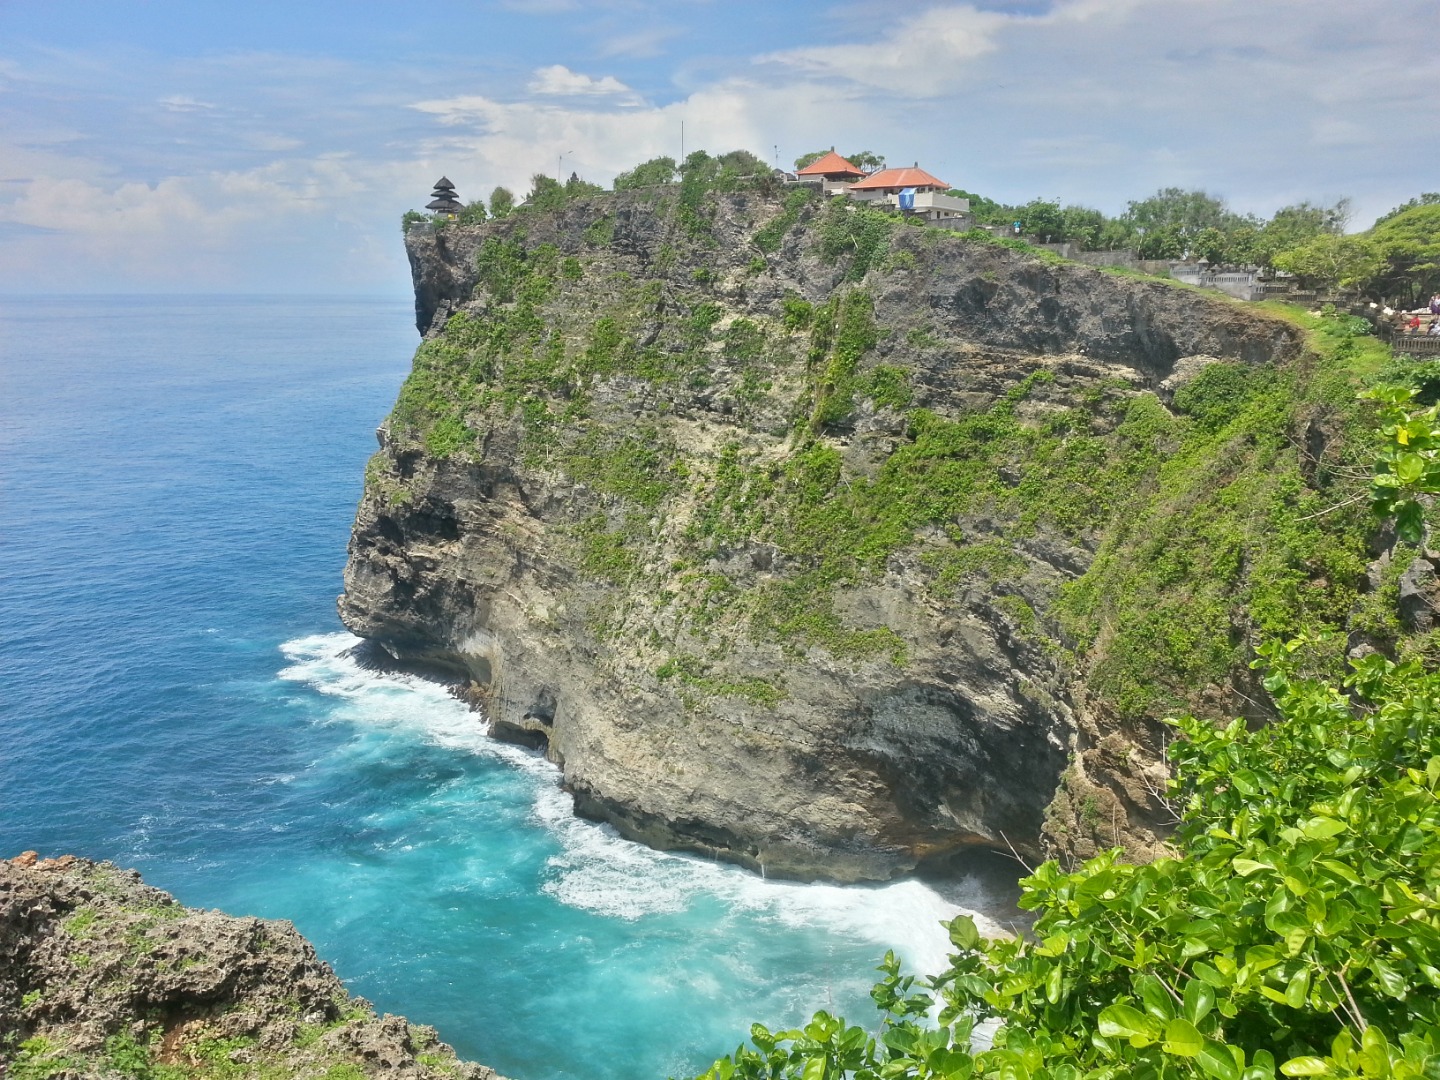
1297,933
1408,467
855,231
653,173
772,233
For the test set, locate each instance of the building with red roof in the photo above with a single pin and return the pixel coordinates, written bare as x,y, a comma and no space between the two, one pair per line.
893,181
910,190
915,193
832,167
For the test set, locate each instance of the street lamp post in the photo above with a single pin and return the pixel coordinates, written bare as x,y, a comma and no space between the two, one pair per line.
559,168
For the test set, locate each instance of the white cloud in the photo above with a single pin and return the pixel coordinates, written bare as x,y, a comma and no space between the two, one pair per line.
916,56
557,80
182,104
458,110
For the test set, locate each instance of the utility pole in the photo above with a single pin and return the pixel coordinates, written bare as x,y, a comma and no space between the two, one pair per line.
682,142
559,169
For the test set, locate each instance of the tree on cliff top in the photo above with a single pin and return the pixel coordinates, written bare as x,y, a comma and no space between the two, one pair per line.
1409,242
502,201
1185,211
1428,198
1330,261
653,173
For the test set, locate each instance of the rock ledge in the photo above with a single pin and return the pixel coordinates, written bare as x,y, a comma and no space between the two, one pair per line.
102,975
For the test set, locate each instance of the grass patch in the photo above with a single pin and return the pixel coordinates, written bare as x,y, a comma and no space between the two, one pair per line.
694,673
80,925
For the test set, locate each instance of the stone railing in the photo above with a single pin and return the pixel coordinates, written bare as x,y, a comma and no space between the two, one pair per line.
1414,344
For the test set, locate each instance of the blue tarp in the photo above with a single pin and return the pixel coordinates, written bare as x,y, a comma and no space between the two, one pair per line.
907,198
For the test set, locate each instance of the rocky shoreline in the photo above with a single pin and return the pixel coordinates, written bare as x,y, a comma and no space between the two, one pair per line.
102,975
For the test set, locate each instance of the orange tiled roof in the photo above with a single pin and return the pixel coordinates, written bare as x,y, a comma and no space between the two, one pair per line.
899,178
832,164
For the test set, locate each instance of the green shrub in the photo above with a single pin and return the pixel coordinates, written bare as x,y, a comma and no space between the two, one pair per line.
447,435
796,313
653,173
601,231
1297,934
772,233
856,232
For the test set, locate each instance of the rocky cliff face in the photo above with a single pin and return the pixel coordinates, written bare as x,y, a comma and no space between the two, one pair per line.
102,975
770,521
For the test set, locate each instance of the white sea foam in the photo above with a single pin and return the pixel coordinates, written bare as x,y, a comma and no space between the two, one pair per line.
599,871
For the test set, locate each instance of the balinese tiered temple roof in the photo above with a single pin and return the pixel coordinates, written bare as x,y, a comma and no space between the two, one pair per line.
443,199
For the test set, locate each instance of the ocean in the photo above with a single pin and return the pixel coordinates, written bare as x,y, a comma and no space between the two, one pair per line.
177,480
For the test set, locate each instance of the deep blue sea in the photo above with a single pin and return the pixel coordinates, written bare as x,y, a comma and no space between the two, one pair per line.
177,482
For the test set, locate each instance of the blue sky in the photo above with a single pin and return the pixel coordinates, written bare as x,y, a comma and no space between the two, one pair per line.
174,145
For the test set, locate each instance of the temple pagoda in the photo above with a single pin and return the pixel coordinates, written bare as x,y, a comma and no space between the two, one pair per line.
443,200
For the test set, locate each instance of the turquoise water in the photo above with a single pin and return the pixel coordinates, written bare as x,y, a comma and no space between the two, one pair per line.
177,480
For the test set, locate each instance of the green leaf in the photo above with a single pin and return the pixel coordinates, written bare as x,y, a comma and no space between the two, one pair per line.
1339,869
1199,1000
1297,988
1053,983
1158,1002
1125,1022
963,934
1182,1038
1215,1059
1389,980
814,1069
1210,976
1305,1066
1322,828
1409,520
1409,468
1243,781
1246,867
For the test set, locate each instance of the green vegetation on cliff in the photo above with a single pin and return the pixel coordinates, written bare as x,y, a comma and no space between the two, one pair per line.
1246,528
1296,930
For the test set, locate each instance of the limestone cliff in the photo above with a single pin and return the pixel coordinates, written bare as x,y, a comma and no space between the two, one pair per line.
102,975
800,537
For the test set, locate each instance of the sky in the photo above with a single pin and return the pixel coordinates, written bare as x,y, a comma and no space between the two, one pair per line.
272,145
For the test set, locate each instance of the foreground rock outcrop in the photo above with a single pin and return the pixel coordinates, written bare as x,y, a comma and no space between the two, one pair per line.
102,975
773,522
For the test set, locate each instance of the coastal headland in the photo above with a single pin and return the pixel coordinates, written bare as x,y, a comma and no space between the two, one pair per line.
830,546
